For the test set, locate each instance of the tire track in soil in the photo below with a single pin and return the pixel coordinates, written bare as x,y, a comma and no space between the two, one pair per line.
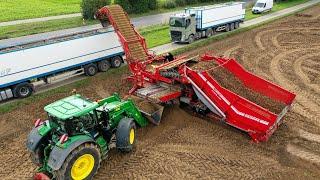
303,154
303,76
304,97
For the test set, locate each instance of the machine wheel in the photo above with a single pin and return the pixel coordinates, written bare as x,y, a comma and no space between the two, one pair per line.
125,136
209,32
227,27
104,65
90,69
191,39
81,163
37,156
232,27
22,90
116,62
236,25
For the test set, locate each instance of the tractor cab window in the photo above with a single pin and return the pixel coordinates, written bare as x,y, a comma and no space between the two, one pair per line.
177,22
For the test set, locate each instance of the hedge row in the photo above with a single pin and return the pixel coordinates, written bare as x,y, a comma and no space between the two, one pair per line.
89,7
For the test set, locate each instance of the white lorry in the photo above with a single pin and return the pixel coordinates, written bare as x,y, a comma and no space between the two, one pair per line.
22,66
198,22
262,6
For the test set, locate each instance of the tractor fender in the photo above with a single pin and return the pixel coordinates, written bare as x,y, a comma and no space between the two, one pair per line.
58,154
34,139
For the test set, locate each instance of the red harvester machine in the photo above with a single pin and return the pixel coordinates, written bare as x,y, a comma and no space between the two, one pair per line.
160,81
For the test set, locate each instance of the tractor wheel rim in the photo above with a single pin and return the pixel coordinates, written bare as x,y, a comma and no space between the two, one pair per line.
131,138
24,91
82,167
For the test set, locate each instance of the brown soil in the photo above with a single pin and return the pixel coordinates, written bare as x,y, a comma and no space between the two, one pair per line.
232,83
143,105
188,147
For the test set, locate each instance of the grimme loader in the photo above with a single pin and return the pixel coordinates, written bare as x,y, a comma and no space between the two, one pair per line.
160,81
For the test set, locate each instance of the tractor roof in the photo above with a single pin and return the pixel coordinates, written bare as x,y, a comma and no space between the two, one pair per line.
73,106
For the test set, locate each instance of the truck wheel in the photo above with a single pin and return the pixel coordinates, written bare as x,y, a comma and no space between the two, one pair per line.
116,62
22,90
104,65
90,69
81,163
236,25
231,26
191,39
227,28
125,135
209,32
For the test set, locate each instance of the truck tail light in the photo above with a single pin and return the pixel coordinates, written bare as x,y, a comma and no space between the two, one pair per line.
38,122
63,138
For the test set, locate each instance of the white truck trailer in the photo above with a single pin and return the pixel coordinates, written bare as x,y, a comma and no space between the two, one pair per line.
22,66
198,22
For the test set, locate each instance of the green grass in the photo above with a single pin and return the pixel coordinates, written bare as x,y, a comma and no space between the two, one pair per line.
24,9
156,35
39,27
276,7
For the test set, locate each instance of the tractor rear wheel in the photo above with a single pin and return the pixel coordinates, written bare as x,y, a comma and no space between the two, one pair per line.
81,163
125,136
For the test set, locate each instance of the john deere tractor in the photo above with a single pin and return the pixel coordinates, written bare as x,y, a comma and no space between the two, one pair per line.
78,135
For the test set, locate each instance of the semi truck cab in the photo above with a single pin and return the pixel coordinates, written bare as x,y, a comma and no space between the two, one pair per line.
182,27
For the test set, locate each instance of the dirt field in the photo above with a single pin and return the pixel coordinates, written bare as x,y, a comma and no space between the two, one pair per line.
186,147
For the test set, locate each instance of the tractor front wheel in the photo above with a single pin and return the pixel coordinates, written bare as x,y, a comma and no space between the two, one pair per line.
125,136
81,163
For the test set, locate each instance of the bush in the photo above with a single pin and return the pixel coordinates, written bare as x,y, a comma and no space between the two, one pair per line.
89,7
180,2
168,4
191,1
125,4
139,6
153,4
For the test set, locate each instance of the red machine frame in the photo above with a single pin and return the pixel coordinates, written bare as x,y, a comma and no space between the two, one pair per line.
235,110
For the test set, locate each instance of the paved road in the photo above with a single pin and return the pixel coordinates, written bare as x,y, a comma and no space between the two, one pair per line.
261,19
137,22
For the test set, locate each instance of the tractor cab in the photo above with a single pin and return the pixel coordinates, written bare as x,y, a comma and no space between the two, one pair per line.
182,26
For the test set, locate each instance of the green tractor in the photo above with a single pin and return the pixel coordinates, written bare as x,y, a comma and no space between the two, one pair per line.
79,133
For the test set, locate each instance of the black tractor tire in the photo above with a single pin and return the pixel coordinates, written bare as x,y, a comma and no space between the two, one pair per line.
85,150
104,65
236,25
124,141
232,27
116,61
227,28
37,157
191,39
22,90
90,69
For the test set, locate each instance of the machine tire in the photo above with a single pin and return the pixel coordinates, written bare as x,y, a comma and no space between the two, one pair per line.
125,135
90,69
23,90
116,62
209,32
236,25
87,153
191,39
232,27
104,65
227,28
